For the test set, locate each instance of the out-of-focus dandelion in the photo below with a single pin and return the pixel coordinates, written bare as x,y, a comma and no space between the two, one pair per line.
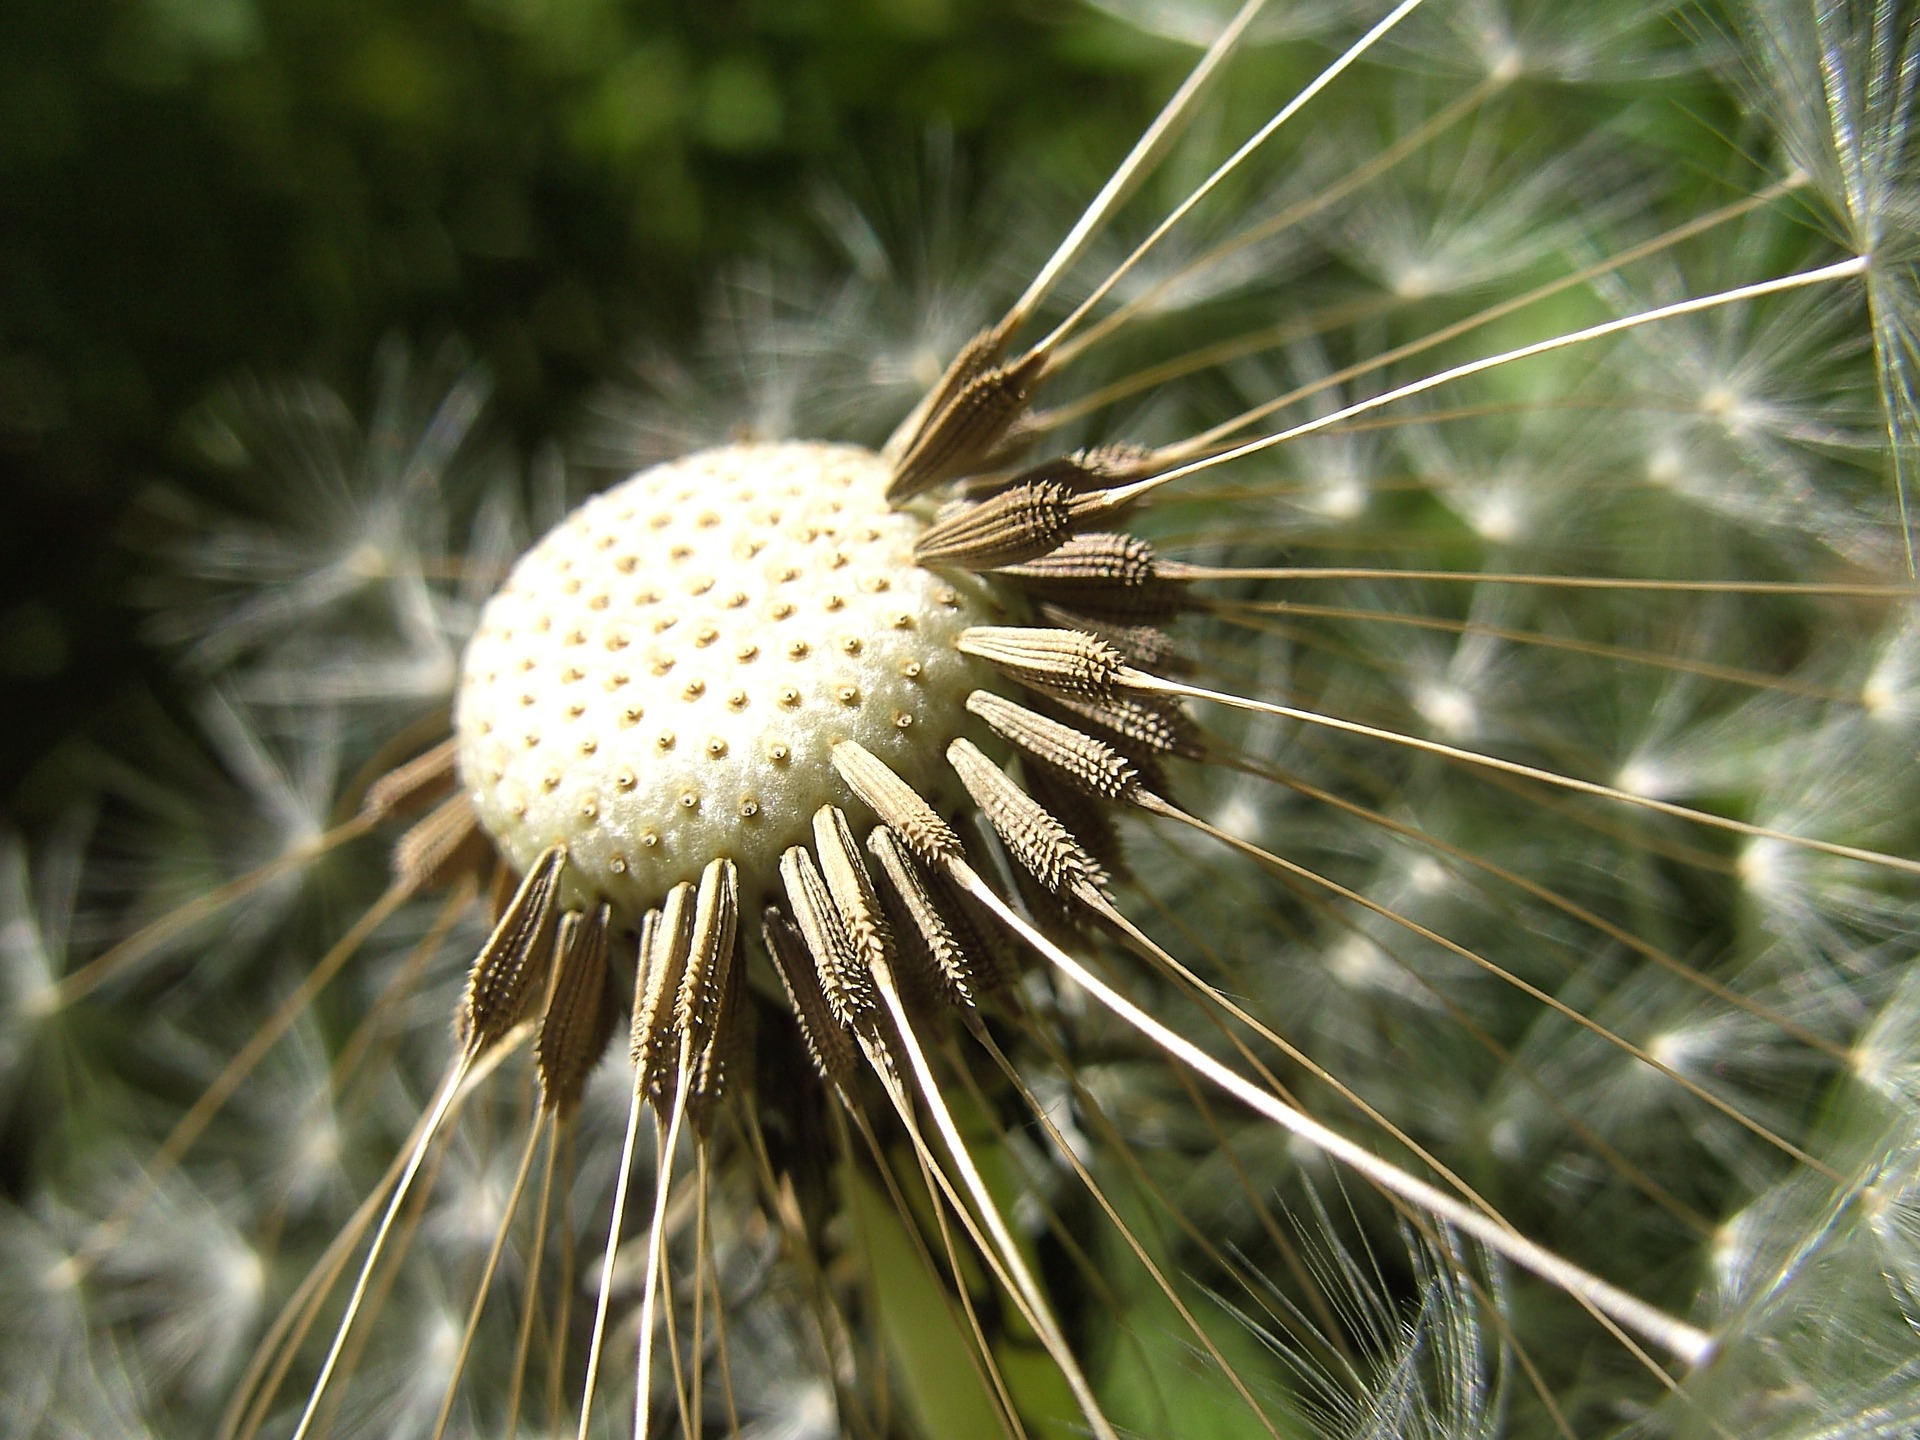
1399,692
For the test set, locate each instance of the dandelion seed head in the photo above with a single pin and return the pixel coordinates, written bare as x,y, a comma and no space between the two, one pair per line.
1448,708
1666,464
664,676
1679,1050
1359,964
1338,496
1240,814
62,1277
1766,867
1498,517
1644,775
1507,1138
1428,876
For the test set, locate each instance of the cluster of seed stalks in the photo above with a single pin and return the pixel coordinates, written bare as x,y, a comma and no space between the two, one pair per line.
781,740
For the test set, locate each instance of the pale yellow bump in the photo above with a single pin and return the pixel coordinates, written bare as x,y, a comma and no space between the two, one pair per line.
847,694
589,745
664,740
705,636
834,602
902,621
746,652
736,600
625,779
650,839
789,697
850,645
693,690
617,864
737,700
550,780
589,809
779,610
701,586
779,752
799,650
689,800
749,808
716,747
910,669
631,715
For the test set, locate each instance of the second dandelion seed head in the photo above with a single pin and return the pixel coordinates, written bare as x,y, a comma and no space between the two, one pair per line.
663,677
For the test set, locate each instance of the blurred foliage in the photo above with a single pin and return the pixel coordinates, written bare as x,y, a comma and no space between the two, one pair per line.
193,188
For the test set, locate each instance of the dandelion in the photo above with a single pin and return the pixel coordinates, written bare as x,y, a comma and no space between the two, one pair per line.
1313,836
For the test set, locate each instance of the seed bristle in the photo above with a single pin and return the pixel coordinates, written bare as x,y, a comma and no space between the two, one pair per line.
1136,723
666,939
1145,646
409,788
441,846
716,911
974,357
1023,522
829,1045
1037,840
897,803
965,428
581,1012
1093,765
932,952
1092,469
844,978
510,967
1070,661
725,1064
1109,573
851,887
722,1055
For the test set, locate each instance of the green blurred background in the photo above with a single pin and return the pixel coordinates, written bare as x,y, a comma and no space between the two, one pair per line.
194,189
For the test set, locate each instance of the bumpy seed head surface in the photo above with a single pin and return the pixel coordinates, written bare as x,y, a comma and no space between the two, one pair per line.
662,679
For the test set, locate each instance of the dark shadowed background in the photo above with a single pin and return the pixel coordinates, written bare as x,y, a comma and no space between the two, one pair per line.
192,190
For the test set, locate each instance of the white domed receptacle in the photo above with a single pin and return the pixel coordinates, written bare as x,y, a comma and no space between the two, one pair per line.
662,678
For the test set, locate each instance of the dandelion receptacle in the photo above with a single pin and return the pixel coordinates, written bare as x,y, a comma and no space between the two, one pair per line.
1289,812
